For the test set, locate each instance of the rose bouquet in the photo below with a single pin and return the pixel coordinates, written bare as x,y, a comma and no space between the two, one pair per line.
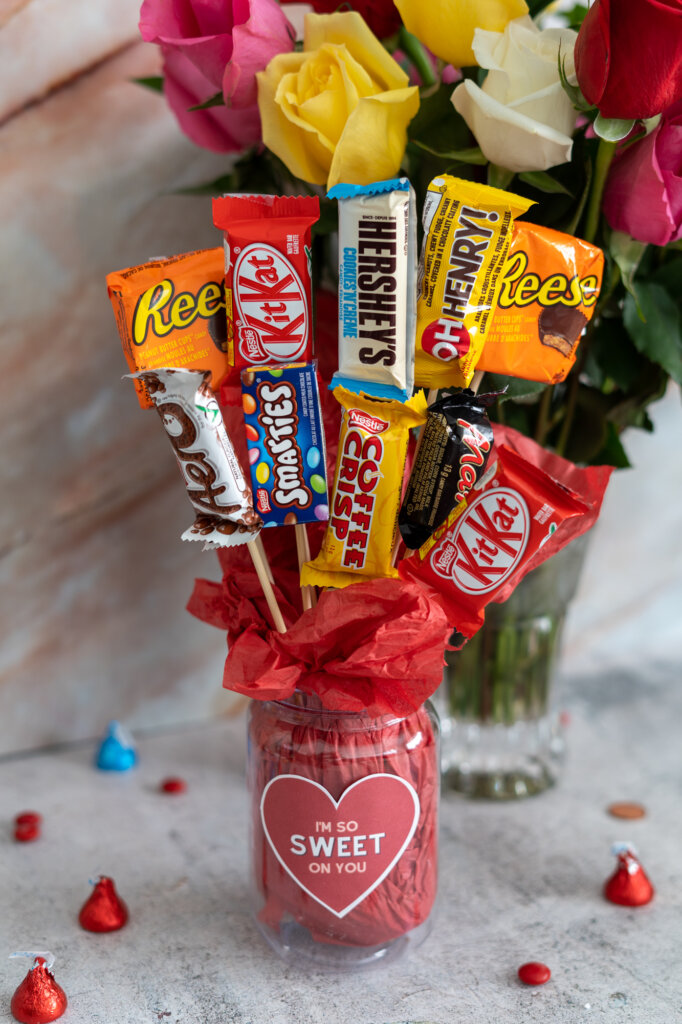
587,124
577,112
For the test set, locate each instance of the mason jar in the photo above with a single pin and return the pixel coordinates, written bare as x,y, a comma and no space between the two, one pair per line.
344,831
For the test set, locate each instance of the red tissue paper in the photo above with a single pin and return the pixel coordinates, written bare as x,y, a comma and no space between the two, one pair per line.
375,647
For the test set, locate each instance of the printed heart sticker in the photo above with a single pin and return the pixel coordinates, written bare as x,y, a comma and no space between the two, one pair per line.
339,851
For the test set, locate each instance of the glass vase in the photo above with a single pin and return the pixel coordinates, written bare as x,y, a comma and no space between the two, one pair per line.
502,738
344,832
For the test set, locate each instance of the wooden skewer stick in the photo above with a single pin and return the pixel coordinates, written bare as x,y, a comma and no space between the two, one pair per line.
308,596
261,548
262,573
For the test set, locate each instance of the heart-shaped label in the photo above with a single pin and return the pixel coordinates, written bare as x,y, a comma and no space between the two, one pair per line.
339,851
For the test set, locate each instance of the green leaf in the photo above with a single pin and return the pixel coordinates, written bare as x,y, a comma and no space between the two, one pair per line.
657,334
612,452
153,82
612,355
627,252
214,101
437,122
612,129
499,177
471,155
544,182
517,389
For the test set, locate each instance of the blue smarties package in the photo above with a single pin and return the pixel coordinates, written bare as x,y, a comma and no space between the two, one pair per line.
285,440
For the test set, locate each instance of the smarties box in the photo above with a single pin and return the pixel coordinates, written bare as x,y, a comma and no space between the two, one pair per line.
285,440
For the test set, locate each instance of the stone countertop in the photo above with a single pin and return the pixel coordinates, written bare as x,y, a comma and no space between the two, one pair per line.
519,882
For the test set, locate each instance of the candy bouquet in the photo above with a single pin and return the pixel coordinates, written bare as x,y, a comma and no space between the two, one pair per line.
370,459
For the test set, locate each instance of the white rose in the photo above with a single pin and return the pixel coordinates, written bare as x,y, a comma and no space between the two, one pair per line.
522,118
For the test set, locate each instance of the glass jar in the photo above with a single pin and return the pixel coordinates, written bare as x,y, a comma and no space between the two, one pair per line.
502,736
344,831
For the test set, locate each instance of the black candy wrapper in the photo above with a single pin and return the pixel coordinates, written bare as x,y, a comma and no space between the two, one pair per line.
452,455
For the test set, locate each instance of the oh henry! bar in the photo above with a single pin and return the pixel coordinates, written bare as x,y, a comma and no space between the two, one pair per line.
286,443
550,286
467,231
171,312
369,470
377,287
490,538
267,276
213,477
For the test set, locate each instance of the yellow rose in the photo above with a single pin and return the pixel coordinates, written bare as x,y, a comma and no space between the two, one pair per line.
447,26
339,110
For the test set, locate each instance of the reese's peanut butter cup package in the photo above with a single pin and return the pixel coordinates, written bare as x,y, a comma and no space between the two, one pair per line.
268,276
213,477
171,312
377,287
363,518
467,232
550,286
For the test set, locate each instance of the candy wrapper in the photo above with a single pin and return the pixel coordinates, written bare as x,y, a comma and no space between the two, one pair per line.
286,443
452,455
377,647
550,286
467,232
215,483
171,312
267,276
363,517
510,523
373,785
588,482
377,287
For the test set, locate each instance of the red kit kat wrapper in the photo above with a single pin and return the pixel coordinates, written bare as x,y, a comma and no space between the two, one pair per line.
378,775
519,515
267,276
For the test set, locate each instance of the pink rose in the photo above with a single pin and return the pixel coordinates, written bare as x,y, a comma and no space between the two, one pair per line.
216,45
643,195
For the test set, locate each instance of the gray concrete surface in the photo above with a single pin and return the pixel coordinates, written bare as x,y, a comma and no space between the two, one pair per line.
518,882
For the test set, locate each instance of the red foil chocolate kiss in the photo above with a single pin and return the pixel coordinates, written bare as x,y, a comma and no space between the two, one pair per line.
39,998
104,910
628,885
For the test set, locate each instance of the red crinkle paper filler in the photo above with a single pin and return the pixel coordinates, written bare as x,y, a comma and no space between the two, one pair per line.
628,885
405,897
376,647
39,998
104,910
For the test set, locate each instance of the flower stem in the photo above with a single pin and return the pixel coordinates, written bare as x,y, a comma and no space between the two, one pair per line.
605,154
411,46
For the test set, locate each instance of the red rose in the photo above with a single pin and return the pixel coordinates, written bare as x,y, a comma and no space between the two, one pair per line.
381,15
628,56
643,195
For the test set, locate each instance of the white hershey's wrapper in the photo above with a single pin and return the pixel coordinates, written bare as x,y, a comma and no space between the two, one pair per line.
377,288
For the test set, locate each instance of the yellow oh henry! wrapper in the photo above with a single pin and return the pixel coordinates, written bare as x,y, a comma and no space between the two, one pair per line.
363,517
467,233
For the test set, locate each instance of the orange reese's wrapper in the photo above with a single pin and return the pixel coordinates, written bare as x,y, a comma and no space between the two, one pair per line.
363,518
550,286
170,312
